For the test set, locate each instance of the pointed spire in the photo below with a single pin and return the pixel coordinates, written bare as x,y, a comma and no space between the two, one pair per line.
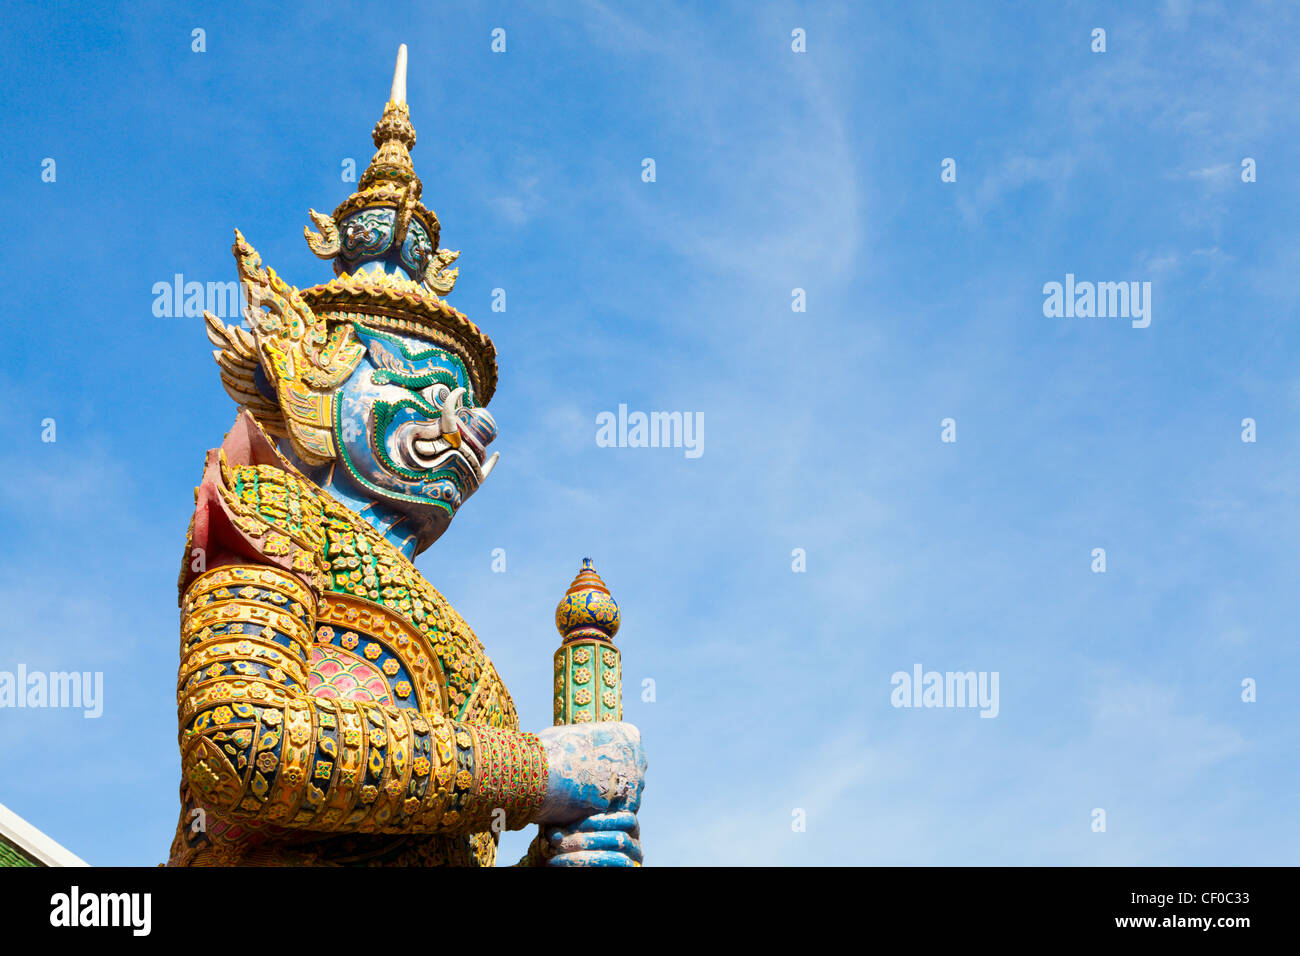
398,95
394,138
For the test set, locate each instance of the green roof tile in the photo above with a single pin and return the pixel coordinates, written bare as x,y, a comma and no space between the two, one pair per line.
10,855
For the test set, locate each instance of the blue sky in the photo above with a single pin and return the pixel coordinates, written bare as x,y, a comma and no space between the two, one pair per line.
775,170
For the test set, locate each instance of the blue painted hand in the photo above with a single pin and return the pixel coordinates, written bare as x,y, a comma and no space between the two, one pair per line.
595,775
602,839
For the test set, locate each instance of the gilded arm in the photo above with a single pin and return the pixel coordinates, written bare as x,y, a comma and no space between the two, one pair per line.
255,745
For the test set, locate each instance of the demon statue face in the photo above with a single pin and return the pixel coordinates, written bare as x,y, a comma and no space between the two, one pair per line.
409,430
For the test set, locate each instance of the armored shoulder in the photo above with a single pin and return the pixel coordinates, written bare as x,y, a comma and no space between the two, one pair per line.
252,507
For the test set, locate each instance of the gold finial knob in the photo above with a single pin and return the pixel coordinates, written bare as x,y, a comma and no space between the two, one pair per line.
587,611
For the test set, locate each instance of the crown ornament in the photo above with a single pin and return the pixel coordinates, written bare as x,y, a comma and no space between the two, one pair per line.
389,183
390,272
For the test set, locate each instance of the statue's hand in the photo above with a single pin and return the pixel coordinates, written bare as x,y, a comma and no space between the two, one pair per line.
595,775
591,769
602,839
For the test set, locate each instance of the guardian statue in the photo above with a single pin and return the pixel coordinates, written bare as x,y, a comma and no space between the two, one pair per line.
334,709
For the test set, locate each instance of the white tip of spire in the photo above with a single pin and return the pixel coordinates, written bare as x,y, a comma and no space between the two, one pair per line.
399,77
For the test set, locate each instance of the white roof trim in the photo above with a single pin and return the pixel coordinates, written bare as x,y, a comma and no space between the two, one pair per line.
33,842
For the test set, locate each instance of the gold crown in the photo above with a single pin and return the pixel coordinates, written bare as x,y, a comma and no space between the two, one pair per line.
387,300
390,180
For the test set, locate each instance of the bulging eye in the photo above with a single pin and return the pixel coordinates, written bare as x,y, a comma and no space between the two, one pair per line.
436,394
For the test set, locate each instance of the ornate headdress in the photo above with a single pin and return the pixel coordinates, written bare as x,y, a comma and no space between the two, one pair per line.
389,274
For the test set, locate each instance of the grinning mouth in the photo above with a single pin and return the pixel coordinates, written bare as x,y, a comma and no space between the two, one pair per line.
446,443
